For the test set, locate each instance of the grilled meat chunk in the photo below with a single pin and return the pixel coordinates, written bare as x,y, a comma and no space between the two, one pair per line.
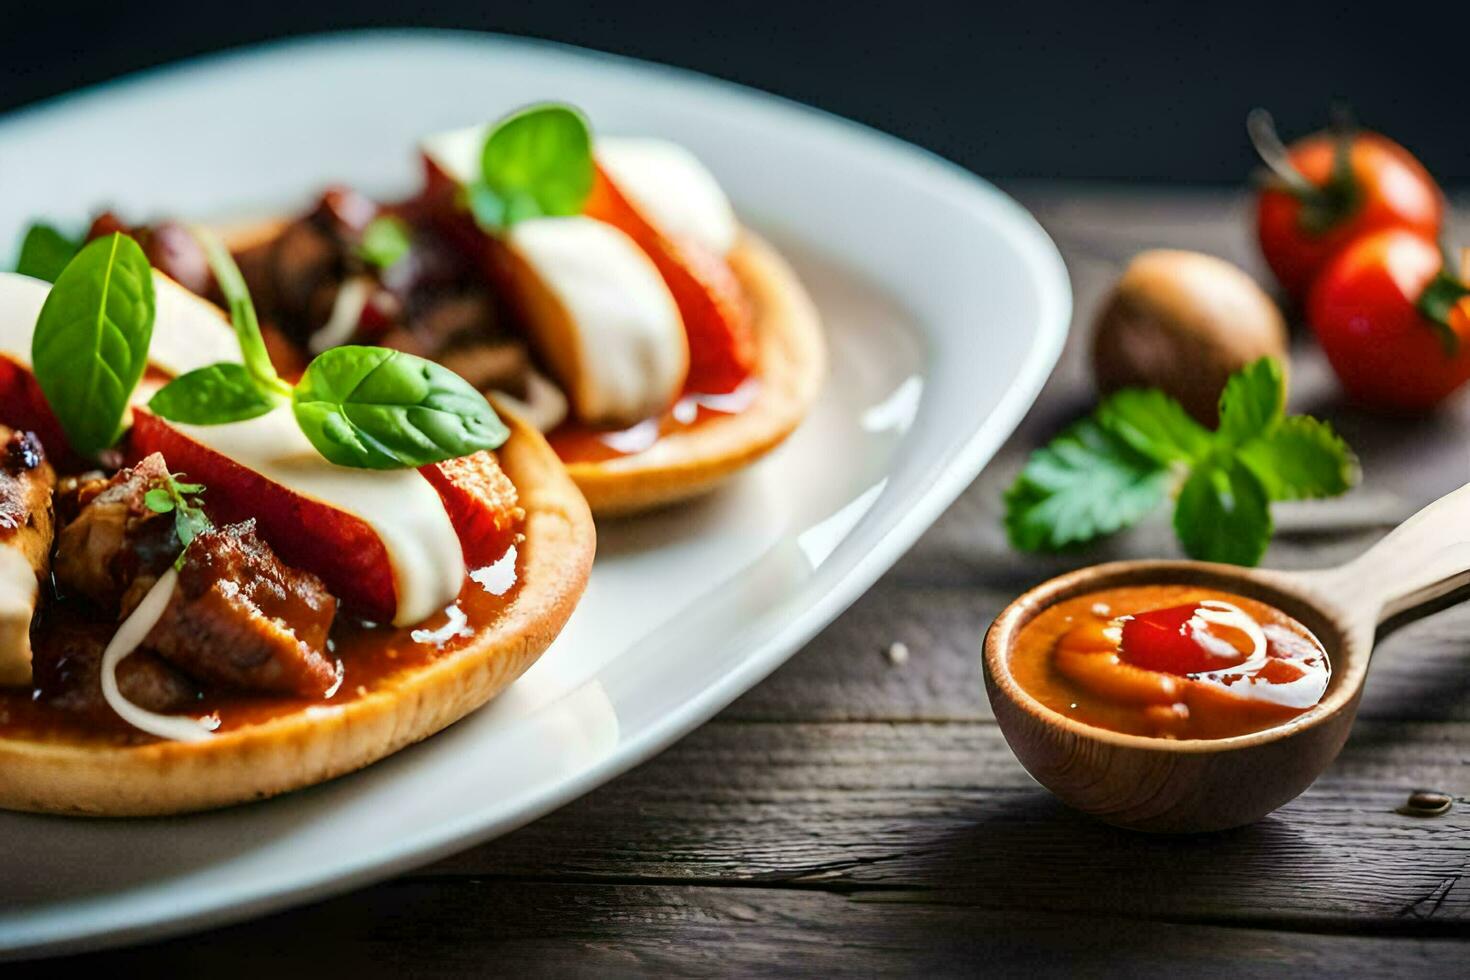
242,618
26,484
69,672
115,548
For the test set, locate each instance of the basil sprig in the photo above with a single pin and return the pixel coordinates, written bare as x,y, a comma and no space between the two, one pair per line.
242,313
90,344
376,408
364,407
536,162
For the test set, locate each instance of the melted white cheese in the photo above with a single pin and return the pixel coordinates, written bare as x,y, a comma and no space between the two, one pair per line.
18,592
188,331
671,189
401,507
630,351
457,151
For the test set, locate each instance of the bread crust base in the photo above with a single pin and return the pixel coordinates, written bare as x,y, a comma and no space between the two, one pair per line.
792,360
313,745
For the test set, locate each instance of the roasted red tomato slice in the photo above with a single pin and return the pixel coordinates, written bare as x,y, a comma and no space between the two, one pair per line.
341,549
716,314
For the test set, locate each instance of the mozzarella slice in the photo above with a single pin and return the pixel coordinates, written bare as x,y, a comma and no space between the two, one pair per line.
188,330
401,507
671,189
457,151
18,593
601,317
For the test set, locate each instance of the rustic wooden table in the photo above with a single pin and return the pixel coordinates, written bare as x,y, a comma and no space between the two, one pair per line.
854,814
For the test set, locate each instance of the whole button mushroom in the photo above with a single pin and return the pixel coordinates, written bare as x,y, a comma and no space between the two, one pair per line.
1183,322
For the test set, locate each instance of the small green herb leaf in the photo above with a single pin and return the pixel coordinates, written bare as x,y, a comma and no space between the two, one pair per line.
169,496
375,408
1085,483
1222,514
1301,458
537,162
45,252
90,344
384,241
213,395
158,500
1155,425
1253,401
242,312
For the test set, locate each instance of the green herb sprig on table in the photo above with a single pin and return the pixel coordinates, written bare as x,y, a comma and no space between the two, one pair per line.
536,162
1106,472
364,407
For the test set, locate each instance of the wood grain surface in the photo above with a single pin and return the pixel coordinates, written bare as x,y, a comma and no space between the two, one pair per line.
857,816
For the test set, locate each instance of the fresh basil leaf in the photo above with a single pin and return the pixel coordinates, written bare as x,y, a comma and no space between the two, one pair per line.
1253,401
1301,458
44,252
242,312
537,162
384,241
213,395
374,408
1155,425
1084,484
1222,514
90,344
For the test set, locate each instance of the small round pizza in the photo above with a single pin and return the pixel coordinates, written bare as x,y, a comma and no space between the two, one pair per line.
606,288
220,581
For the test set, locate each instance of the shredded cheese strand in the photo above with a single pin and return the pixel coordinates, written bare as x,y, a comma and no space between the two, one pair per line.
129,635
352,299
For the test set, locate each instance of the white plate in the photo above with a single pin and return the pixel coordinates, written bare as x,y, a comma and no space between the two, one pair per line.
945,306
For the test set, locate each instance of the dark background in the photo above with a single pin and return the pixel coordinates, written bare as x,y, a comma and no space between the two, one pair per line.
1141,91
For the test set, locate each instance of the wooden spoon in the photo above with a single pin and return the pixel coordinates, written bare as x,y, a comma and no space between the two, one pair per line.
1191,785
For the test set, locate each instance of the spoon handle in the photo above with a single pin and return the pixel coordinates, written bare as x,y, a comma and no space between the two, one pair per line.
1424,558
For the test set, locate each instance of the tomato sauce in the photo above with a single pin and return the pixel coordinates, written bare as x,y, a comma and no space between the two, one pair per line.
370,656
1171,662
578,443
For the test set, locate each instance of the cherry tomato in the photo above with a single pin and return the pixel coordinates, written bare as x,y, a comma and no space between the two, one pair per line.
1164,640
1331,188
1393,321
